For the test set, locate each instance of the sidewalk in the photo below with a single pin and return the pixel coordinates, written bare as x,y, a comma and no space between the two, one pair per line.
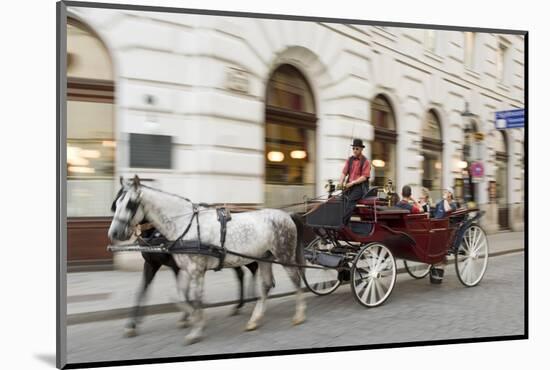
104,295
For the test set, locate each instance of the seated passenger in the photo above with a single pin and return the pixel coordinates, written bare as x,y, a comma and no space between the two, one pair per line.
447,204
407,201
425,201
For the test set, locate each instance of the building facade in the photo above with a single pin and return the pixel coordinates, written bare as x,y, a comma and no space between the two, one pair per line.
261,112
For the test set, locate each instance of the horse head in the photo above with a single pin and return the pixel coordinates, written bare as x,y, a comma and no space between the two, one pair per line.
128,210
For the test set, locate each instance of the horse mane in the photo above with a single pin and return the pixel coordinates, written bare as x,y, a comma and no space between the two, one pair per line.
165,192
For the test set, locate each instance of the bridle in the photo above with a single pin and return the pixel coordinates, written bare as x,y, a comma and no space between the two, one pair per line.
132,205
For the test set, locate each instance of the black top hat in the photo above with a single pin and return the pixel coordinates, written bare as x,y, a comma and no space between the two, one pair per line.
358,142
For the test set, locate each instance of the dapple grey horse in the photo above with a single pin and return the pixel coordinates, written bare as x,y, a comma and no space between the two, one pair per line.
267,233
151,265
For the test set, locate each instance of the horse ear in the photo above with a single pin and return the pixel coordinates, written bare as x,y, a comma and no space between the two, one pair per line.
121,181
136,181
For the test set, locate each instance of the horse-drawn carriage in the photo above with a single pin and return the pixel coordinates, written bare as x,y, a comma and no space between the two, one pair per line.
364,251
200,238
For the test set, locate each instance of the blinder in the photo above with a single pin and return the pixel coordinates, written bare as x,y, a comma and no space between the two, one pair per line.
132,205
118,195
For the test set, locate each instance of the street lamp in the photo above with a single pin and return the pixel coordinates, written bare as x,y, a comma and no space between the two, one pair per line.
467,117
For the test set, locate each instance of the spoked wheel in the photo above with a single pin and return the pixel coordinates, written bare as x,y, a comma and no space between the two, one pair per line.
373,275
472,256
417,270
320,281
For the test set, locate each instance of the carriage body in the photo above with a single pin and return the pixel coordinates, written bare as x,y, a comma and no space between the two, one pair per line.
393,233
410,236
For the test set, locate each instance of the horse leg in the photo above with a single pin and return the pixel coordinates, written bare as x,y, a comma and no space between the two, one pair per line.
183,289
253,267
240,276
300,315
149,271
266,273
197,316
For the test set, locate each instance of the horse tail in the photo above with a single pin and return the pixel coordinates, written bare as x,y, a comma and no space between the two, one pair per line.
299,223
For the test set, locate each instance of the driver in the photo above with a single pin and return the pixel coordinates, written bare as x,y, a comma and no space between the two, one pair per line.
357,168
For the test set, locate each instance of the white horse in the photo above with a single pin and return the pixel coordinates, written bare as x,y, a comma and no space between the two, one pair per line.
263,234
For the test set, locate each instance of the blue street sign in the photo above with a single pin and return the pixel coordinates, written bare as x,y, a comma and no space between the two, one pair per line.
514,118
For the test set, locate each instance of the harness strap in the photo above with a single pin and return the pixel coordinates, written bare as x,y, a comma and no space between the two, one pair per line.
195,214
223,217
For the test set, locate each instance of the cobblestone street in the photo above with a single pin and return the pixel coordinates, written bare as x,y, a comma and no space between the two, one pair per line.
416,311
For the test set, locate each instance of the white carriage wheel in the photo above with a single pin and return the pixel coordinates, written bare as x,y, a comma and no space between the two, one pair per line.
417,270
320,281
471,256
373,274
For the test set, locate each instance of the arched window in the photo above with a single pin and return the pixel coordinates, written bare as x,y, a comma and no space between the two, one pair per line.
432,152
289,138
90,123
501,162
385,138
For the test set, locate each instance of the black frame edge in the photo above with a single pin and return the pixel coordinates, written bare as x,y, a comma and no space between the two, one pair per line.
227,13
526,181
61,267
289,352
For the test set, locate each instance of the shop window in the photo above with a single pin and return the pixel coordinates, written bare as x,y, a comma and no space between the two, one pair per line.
432,153
90,124
290,142
383,155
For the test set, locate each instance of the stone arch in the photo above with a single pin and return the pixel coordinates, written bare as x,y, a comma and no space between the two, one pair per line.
93,27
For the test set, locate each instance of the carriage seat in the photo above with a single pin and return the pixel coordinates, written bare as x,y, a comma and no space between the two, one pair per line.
395,210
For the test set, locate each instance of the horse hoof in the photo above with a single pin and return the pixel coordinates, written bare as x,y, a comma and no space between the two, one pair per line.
130,332
182,324
235,312
251,326
192,339
298,320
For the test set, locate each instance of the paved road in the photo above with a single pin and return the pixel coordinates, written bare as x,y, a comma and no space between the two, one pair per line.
416,311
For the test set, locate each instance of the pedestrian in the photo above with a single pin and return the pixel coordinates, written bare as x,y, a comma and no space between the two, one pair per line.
357,171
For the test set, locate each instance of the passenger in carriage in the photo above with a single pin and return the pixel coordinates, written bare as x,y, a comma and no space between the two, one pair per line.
425,201
445,205
408,202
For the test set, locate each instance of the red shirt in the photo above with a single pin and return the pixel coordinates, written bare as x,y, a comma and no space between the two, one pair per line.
414,208
357,172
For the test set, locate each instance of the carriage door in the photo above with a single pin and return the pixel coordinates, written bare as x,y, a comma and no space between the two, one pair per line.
417,226
439,238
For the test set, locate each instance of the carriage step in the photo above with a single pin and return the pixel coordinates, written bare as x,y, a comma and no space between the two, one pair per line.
323,259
